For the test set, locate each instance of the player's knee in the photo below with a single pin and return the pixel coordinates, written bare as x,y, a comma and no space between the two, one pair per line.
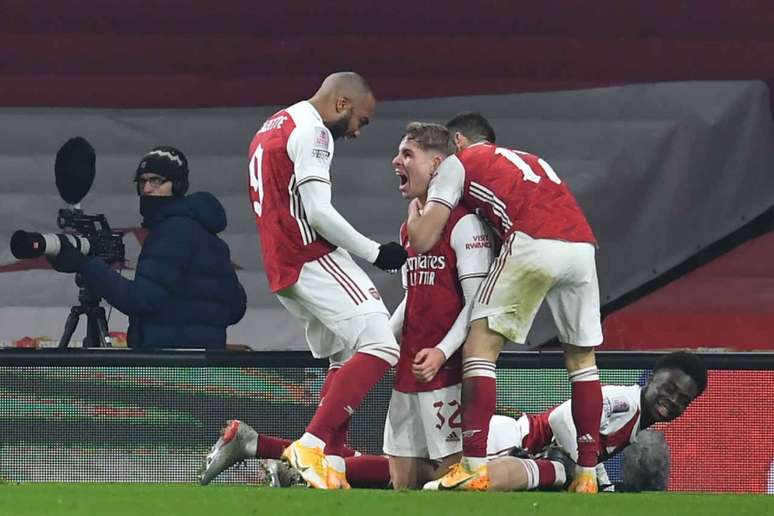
403,483
337,360
482,342
403,474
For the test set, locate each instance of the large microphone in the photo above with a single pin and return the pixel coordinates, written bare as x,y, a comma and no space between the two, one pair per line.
74,169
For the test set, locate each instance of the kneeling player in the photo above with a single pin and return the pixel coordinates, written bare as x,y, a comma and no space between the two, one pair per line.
678,378
424,419
423,431
518,447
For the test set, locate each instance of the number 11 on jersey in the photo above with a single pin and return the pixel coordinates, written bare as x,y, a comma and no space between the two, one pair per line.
256,166
528,173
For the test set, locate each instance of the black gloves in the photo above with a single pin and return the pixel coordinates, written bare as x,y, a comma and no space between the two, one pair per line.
391,256
69,258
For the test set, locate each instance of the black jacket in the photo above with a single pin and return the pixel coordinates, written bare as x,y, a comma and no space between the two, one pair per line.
185,291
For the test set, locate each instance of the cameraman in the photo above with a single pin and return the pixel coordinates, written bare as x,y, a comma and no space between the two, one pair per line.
185,291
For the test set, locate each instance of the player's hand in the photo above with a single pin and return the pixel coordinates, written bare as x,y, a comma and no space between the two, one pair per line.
391,256
426,364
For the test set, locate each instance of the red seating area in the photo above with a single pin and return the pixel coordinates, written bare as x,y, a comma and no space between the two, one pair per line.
728,304
191,53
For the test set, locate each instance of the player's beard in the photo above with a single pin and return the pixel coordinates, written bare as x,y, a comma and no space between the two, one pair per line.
340,127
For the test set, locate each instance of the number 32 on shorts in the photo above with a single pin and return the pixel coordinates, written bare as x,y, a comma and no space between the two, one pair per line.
453,409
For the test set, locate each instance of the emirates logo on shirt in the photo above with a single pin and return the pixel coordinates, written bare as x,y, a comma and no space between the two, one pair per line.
421,269
425,261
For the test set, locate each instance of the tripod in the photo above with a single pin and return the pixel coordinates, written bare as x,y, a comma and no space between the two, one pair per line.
96,323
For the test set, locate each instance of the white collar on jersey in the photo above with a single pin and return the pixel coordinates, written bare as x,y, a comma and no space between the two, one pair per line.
312,110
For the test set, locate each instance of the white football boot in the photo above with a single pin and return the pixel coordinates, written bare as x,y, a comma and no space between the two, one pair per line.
237,443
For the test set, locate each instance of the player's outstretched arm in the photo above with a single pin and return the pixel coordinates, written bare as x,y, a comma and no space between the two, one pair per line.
326,221
310,147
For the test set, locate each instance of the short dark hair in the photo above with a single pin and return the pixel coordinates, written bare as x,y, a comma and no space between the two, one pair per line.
473,126
430,136
688,363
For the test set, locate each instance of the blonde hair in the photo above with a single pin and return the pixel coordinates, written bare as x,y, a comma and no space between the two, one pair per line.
431,137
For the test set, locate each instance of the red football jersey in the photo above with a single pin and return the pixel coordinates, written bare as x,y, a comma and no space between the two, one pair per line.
292,147
434,297
513,191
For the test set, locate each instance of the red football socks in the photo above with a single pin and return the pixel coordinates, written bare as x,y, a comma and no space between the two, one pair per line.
371,471
544,473
352,382
271,447
479,399
586,413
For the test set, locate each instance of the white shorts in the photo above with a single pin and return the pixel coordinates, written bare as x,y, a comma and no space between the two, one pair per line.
340,309
529,270
505,434
424,424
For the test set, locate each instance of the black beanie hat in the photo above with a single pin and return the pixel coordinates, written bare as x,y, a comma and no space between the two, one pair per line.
167,162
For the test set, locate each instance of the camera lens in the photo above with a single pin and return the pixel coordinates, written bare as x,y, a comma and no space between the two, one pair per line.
32,245
27,245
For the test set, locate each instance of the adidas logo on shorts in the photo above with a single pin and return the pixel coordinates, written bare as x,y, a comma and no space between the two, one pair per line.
453,437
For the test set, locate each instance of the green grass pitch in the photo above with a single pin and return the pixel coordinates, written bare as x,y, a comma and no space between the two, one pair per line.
223,500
